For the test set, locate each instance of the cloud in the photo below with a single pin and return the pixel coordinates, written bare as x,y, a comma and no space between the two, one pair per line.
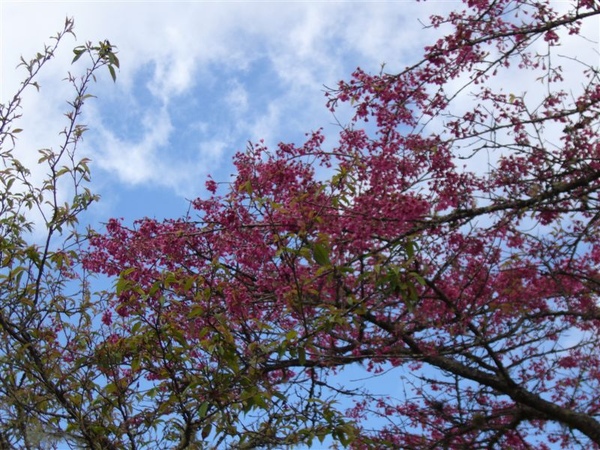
295,49
136,161
198,80
237,98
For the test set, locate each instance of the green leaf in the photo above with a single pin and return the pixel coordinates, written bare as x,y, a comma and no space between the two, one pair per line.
111,69
196,312
206,430
291,335
179,337
78,52
135,364
136,327
203,410
419,278
301,355
113,60
321,255
410,249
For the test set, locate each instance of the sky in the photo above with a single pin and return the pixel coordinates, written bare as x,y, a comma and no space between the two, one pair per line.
198,80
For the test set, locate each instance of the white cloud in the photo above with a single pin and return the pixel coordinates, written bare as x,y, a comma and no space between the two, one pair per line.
137,161
237,98
177,57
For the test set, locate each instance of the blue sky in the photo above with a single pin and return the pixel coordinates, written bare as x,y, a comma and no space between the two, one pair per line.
201,79
198,80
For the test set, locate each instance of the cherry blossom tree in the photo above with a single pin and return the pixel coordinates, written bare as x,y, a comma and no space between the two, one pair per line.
476,286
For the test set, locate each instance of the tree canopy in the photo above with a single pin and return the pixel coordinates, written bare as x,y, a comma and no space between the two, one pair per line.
475,285
50,393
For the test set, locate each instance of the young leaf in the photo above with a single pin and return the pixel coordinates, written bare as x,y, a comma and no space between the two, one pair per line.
321,255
